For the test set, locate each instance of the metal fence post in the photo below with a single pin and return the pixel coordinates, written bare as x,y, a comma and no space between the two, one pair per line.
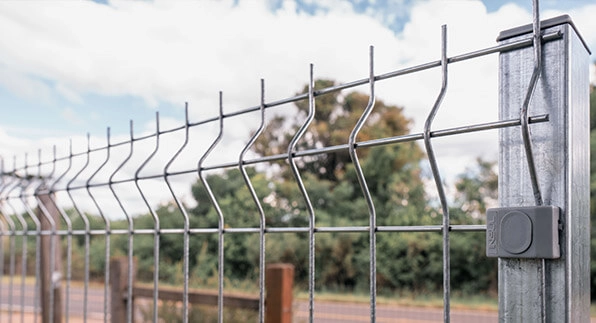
51,262
560,290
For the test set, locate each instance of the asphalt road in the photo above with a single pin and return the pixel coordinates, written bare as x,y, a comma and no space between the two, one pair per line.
95,300
325,312
330,312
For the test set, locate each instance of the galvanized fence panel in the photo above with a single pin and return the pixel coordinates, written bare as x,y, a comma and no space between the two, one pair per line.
118,166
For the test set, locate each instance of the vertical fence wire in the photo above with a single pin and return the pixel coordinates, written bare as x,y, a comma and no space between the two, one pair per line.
23,224
437,176
11,265
87,233
186,234
19,185
156,222
35,220
11,245
54,276
311,212
67,220
255,199
129,221
364,187
220,227
106,299
525,128
23,198
525,131
24,250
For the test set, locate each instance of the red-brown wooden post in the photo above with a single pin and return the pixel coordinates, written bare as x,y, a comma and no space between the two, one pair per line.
119,286
279,284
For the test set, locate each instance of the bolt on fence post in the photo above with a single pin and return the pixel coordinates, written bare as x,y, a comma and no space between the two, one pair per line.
559,291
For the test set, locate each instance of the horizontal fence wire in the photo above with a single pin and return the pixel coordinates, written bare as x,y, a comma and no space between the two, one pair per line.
35,185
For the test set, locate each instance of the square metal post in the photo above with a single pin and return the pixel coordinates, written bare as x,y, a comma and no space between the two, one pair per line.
562,154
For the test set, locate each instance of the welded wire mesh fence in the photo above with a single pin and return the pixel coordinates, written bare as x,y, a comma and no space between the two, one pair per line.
53,208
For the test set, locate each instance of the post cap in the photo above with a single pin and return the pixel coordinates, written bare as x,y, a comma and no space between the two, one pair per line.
527,29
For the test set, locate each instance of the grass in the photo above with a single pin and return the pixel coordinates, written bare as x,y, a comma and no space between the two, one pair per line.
476,302
171,312
30,280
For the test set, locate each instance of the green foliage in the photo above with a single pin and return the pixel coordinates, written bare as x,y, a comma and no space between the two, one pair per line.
406,262
478,187
335,117
171,313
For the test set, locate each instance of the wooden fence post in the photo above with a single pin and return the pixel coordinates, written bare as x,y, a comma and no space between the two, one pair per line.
119,286
51,280
279,284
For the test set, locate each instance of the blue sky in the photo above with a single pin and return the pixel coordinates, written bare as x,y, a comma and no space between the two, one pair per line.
72,67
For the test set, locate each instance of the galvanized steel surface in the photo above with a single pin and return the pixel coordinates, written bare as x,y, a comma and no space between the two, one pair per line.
537,290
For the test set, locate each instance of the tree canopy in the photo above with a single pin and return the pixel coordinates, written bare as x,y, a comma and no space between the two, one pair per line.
406,261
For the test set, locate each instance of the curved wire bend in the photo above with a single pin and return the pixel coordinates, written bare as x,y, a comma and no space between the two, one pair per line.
186,237
526,136
65,217
525,120
218,210
364,187
87,241
156,223
129,219
103,216
23,185
310,209
437,175
38,230
255,198
17,182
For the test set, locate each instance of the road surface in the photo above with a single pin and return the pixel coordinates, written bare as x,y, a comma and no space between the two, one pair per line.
325,312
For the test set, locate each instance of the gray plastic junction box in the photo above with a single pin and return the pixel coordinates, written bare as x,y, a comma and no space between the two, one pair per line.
523,232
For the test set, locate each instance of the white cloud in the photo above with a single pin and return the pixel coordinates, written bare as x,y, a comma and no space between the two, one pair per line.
71,116
24,86
188,51
11,146
69,94
178,51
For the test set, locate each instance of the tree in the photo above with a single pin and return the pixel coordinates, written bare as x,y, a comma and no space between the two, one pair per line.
335,117
406,261
477,188
392,172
